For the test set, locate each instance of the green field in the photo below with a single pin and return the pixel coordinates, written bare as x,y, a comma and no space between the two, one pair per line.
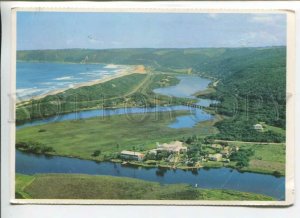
110,135
248,83
267,158
70,186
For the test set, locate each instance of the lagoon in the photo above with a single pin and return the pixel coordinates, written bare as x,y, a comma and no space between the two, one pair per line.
187,86
195,116
220,178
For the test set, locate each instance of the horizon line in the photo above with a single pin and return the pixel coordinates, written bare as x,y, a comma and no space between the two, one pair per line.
268,46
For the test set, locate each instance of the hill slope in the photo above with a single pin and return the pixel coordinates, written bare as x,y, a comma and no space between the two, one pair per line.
251,81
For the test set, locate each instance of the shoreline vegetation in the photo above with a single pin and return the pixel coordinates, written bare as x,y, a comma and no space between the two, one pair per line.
57,186
234,74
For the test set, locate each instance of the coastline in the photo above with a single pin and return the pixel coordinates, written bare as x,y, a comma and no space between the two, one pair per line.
130,69
141,69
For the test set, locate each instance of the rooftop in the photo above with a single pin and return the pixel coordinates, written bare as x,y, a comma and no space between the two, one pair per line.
174,144
133,153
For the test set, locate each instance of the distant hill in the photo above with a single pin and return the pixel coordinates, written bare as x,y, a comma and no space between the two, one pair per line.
252,81
215,61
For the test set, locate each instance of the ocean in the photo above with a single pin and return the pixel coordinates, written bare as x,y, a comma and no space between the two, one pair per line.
34,79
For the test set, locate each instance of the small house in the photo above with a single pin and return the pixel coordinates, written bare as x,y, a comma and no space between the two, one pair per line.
172,147
215,157
132,155
258,127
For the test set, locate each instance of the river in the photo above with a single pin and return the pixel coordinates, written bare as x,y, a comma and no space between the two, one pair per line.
214,178
221,178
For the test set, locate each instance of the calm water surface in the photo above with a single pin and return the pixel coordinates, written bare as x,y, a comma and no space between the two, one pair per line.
63,75
220,178
195,116
187,86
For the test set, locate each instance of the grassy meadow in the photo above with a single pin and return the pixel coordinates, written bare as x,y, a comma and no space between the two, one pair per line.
235,74
73,186
110,135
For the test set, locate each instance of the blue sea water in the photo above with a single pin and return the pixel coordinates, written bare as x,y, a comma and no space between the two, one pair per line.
39,78
35,79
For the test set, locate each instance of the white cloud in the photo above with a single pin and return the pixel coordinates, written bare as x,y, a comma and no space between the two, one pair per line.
267,19
255,38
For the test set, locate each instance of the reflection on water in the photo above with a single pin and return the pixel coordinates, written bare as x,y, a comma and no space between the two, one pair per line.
187,86
219,178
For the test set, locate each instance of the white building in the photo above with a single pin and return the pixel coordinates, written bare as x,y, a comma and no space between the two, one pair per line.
173,147
258,126
215,157
132,155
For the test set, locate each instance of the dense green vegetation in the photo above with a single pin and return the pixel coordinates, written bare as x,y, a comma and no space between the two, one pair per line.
34,147
251,82
127,91
267,158
66,186
242,157
103,139
240,129
252,90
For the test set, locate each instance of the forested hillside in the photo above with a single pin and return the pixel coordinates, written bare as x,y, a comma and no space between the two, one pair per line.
251,81
215,61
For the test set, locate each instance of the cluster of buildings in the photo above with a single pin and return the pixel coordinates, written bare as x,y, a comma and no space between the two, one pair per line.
172,147
225,152
176,147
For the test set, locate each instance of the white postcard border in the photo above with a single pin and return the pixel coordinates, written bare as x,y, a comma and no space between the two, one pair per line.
290,118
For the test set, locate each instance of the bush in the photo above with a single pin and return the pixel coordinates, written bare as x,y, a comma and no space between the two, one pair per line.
242,157
150,156
162,154
96,153
42,130
277,173
34,147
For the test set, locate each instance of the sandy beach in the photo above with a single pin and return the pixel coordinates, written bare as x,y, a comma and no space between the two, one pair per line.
124,72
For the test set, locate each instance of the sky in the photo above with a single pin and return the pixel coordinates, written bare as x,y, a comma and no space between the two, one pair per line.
60,30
